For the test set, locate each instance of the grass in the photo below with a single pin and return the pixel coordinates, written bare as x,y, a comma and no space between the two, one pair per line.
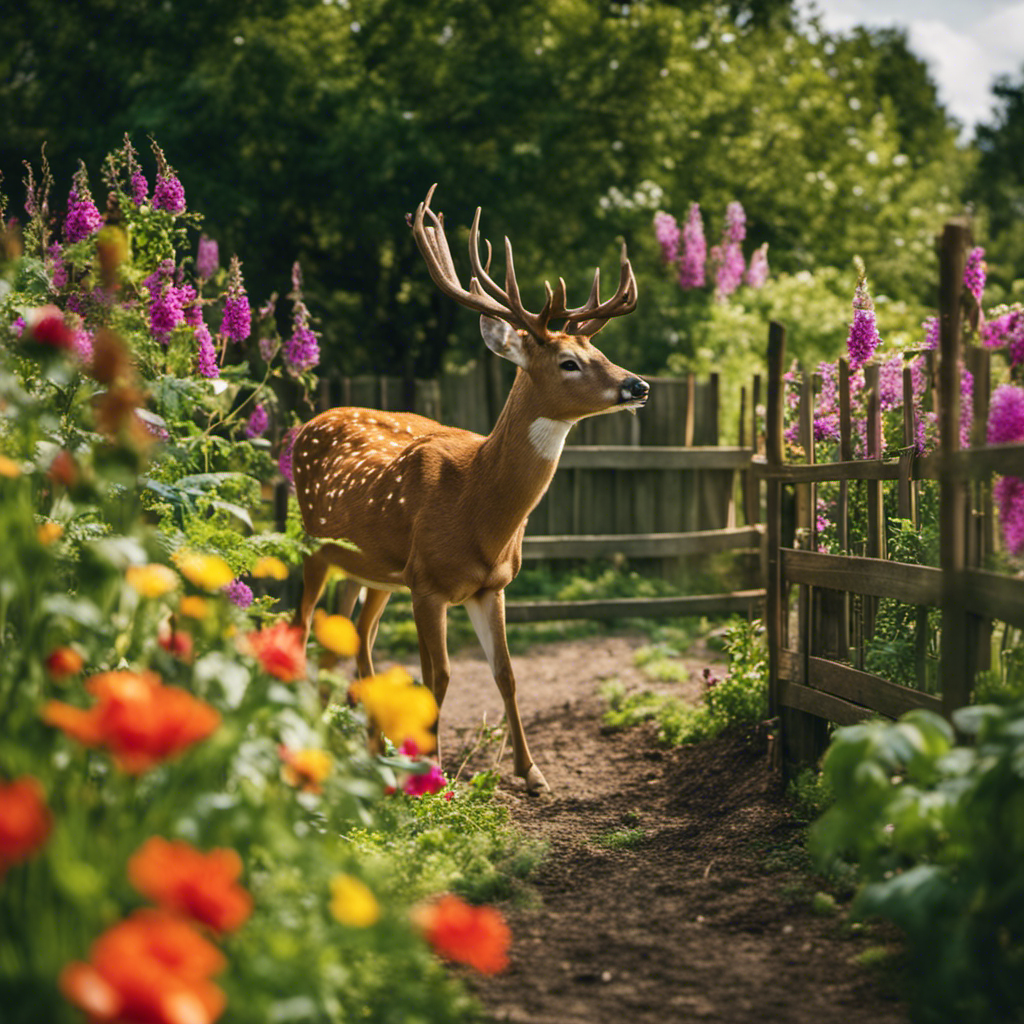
620,838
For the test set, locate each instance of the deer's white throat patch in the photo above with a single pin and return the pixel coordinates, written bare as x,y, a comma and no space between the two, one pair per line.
548,437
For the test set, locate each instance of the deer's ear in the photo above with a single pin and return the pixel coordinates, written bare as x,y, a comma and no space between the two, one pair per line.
503,340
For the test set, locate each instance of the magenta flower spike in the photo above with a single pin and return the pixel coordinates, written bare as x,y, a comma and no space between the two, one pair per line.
974,273
666,230
237,320
168,193
206,354
258,422
757,270
695,250
83,218
302,350
863,338
207,259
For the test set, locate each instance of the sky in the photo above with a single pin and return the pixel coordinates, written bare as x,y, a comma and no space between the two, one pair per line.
966,43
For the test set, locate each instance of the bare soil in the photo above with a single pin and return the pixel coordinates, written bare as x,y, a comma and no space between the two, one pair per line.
705,909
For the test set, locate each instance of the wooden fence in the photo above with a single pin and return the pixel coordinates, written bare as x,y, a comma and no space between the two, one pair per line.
817,641
657,489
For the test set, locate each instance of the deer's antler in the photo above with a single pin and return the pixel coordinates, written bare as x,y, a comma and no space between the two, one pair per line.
485,295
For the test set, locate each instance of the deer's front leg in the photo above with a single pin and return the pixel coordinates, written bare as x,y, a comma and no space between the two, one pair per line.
487,613
431,616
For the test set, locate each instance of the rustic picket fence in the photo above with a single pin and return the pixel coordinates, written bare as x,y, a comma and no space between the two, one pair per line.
657,489
820,608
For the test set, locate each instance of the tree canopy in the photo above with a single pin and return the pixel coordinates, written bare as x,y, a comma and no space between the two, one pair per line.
309,128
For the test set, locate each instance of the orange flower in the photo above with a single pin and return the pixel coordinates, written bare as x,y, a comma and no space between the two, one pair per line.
210,572
269,567
182,879
138,719
151,580
63,469
336,633
280,651
49,533
194,607
305,769
151,968
25,820
64,662
398,707
9,468
477,936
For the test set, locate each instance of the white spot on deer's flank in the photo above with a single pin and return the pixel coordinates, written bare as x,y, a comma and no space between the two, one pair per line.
548,437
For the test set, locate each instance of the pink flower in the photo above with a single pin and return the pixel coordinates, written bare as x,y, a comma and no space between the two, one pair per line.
1006,415
432,781
666,230
863,338
757,271
695,250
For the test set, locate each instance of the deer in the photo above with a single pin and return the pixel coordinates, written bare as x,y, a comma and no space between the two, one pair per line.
401,502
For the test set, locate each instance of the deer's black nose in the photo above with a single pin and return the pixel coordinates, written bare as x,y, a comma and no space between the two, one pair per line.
634,388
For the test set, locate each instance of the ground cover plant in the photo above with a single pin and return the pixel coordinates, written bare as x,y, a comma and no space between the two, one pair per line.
187,831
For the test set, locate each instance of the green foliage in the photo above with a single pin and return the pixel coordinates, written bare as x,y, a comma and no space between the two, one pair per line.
934,829
621,838
465,844
739,699
89,500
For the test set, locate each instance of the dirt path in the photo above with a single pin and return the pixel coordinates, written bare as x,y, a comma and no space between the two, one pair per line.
673,889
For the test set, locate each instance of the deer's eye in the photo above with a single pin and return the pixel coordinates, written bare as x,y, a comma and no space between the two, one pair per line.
569,364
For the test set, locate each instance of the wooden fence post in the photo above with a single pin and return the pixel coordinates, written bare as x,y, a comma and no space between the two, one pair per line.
956,661
773,513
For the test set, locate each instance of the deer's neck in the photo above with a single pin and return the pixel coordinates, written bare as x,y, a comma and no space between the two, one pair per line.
519,457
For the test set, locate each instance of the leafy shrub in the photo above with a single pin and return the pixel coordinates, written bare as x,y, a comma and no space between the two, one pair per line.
741,698
139,700
935,830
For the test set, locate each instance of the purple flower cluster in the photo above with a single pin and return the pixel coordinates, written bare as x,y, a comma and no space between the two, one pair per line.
863,338
431,781
1006,329
238,593
237,320
58,268
727,256
206,354
1006,426
695,250
931,332
666,230
284,461
207,259
258,422
140,188
974,273
83,218
966,406
192,309
168,193
757,270
301,350
1006,415
165,301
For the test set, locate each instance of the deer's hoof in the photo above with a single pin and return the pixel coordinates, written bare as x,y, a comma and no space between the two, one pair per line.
535,781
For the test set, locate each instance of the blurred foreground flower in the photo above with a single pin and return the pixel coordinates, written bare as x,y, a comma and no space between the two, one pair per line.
184,880
63,662
9,468
194,607
305,769
238,592
138,719
49,533
398,707
269,567
477,936
336,633
352,902
210,572
151,580
279,649
152,968
430,781
25,820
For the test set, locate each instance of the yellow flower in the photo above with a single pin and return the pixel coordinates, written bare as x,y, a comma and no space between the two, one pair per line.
269,567
210,572
151,580
194,607
352,903
305,769
399,708
9,468
336,633
49,533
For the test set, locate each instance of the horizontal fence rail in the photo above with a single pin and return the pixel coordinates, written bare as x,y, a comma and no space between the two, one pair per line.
741,602
643,545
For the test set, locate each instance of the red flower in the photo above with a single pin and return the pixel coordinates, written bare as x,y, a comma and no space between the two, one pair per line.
52,332
152,968
64,662
280,651
64,469
182,879
177,643
138,719
477,936
25,820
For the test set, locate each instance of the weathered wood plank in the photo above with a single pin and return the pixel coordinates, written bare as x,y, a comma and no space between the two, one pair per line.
992,595
823,705
858,469
876,577
869,690
642,545
738,602
661,457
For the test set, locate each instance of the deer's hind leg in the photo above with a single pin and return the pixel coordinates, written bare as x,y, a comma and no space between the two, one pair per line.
369,619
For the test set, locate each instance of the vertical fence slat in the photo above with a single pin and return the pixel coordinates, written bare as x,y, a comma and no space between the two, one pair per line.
955,662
